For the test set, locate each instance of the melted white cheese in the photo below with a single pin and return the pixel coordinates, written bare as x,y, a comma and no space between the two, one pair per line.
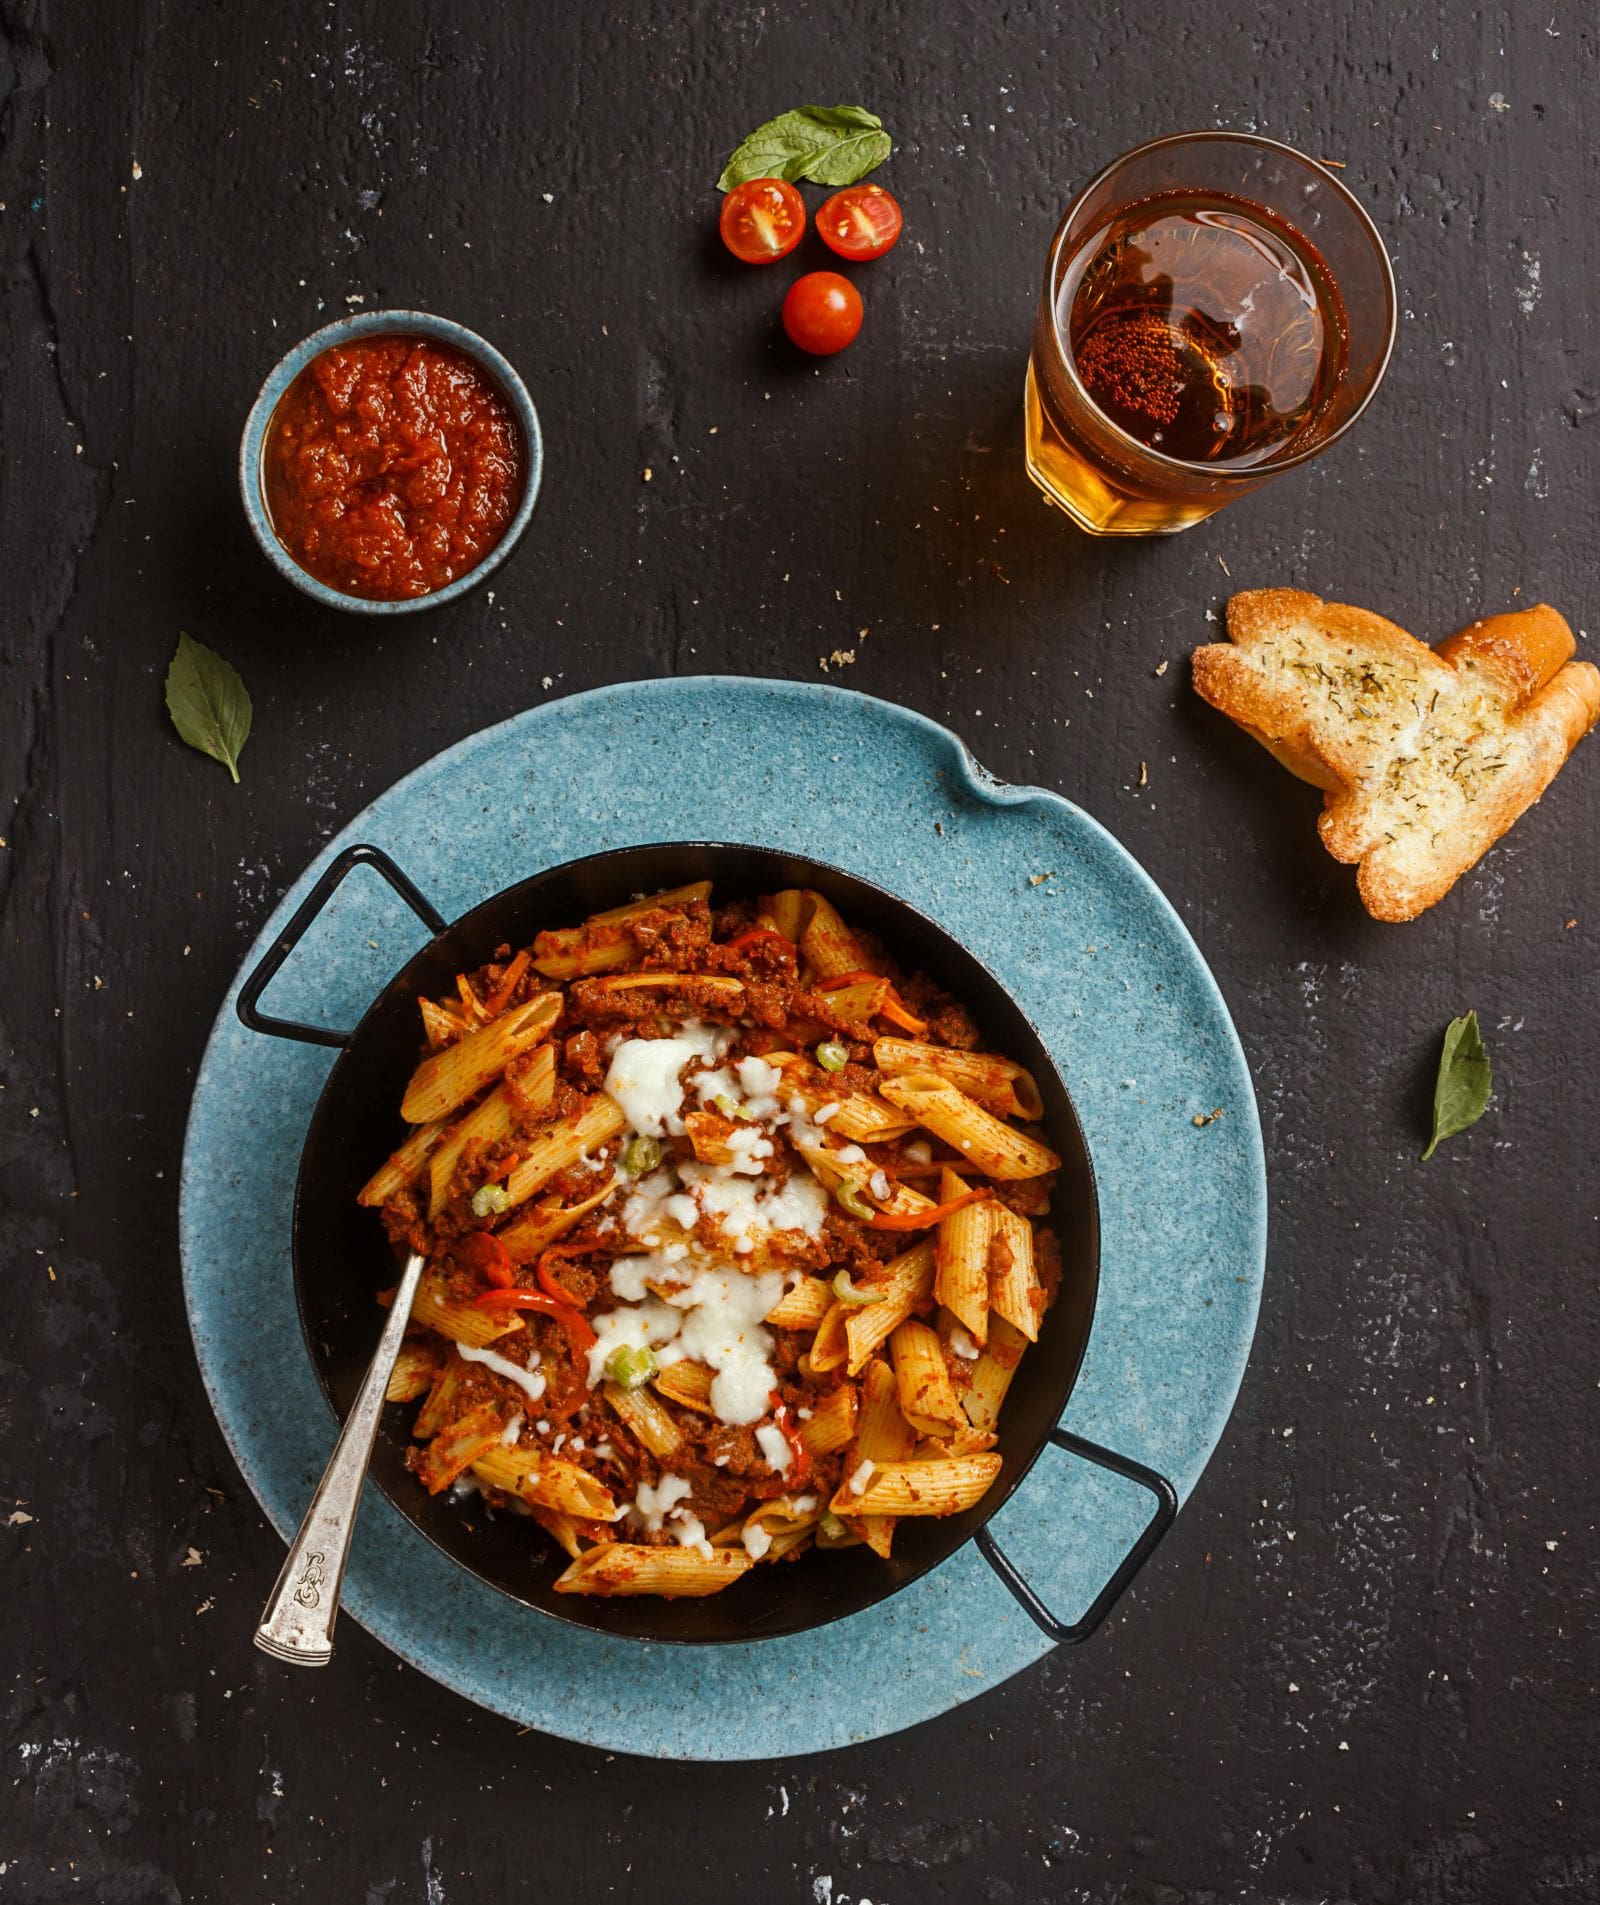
643,1079
528,1380
653,1503
715,1317
770,1440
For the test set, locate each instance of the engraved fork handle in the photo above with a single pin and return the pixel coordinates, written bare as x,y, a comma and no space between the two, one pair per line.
297,1623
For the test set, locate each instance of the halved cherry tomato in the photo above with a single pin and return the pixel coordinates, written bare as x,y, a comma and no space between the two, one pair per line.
861,222
762,220
822,313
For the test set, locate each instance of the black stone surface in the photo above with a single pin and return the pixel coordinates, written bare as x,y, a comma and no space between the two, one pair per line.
1363,1668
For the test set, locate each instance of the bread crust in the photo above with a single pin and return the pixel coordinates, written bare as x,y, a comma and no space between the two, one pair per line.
1425,756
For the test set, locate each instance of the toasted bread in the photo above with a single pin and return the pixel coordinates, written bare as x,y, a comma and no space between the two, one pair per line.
1425,755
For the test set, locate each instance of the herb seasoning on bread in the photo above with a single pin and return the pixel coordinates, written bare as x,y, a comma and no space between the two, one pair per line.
1425,755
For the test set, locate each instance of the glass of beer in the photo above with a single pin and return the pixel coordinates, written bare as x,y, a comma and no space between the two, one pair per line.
1217,309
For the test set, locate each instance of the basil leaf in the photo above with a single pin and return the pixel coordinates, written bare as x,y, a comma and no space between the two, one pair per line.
830,145
1461,1093
209,704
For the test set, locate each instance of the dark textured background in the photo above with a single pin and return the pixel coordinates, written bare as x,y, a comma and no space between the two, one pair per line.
1364,1665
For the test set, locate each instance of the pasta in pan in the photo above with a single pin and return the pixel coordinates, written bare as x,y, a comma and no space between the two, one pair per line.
734,1241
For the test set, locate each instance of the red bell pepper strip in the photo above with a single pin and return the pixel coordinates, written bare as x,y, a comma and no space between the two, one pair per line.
501,996
579,1334
925,1219
761,935
482,1251
548,1281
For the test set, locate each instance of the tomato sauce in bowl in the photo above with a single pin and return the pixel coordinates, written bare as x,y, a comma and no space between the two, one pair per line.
392,466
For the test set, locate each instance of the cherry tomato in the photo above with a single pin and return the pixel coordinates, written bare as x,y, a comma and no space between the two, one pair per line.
861,222
822,313
762,220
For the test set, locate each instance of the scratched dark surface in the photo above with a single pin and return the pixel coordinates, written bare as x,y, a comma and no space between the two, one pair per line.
1363,1668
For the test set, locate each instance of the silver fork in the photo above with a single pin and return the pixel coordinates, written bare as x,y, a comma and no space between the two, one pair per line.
297,1623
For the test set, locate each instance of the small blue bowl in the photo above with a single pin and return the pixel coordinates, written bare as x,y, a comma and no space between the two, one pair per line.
385,324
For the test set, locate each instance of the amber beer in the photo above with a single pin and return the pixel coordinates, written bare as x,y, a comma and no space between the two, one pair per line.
1216,309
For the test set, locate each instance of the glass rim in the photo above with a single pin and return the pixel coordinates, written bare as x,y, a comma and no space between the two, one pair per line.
1220,472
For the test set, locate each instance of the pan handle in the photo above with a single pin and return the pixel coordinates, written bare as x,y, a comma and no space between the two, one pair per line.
272,960
1069,1633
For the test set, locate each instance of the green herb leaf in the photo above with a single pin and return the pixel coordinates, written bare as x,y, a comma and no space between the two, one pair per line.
1461,1094
209,704
830,145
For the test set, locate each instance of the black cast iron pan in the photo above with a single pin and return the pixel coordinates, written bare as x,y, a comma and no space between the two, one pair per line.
341,1259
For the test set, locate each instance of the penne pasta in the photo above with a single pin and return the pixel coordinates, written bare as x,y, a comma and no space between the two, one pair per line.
905,1282
562,1146
687,1384
1014,1288
619,1568
774,1528
437,1308
402,1167
830,1346
992,1373
441,1404
917,1488
1000,1085
882,1435
716,985
562,1529
442,1024
603,943
457,1072
491,1121
803,1307
922,1380
455,1448
858,1002
996,1149
828,944
643,1411
545,1481
415,1371
709,1133
527,1236
788,912
832,1423
962,1281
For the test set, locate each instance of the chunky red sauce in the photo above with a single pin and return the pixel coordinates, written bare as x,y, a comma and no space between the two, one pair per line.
393,466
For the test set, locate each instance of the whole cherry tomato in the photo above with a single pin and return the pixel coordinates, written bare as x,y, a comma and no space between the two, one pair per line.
822,313
762,220
861,222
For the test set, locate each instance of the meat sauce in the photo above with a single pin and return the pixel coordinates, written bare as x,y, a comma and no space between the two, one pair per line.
393,466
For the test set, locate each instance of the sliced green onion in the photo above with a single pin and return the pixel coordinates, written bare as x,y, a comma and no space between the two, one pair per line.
852,1293
832,1526
832,1056
729,1106
630,1368
488,1200
848,1193
641,1156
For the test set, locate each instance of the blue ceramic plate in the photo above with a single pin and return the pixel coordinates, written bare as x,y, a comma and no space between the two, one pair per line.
1093,954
